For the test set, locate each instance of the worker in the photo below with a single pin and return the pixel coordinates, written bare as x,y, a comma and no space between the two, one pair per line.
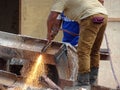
70,30
92,17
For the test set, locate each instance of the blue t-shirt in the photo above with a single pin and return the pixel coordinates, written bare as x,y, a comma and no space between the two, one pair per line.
71,26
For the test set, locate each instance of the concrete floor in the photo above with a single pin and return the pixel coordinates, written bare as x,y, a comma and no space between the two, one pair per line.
106,77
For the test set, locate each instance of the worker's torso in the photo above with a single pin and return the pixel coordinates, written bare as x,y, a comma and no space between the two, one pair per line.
79,9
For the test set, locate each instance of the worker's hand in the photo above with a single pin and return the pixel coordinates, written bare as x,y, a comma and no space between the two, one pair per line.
54,33
49,38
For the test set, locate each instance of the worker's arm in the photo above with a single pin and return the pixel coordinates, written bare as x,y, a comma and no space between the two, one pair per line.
53,25
101,1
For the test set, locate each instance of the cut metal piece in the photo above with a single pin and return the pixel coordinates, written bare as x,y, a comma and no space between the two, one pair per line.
49,83
12,80
7,78
26,48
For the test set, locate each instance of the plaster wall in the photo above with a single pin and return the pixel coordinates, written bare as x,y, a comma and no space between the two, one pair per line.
107,76
113,8
34,16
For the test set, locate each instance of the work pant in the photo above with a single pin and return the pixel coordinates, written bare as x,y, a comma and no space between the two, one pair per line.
91,36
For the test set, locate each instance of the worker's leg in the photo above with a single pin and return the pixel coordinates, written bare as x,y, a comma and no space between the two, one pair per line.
95,53
88,34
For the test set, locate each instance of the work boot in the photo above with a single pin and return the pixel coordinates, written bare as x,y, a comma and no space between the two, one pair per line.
93,76
83,81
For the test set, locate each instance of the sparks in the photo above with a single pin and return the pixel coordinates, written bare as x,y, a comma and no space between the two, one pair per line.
36,70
